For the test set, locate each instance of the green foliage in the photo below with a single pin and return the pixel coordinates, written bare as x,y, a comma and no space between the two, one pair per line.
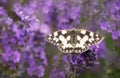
111,44
113,72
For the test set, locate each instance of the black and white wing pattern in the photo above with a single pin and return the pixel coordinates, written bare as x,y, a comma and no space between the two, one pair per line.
88,38
61,39
74,40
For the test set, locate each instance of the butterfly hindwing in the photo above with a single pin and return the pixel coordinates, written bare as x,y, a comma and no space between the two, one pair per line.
80,48
66,48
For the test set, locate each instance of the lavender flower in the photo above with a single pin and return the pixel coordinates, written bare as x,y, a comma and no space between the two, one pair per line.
111,17
23,43
84,61
77,62
64,15
58,71
2,11
21,46
116,34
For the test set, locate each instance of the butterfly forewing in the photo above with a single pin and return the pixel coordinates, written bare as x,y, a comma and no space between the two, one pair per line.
59,37
62,39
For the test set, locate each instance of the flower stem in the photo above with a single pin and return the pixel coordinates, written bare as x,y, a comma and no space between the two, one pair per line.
74,72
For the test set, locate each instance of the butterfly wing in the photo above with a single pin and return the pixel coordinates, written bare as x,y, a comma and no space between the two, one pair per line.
85,39
75,40
62,39
54,38
88,38
66,48
80,48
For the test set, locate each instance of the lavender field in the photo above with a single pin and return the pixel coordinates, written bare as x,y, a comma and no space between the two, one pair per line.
26,53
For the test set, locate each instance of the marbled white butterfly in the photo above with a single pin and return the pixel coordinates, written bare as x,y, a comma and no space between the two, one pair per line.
74,40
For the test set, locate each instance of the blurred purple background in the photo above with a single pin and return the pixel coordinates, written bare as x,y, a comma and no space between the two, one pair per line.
25,53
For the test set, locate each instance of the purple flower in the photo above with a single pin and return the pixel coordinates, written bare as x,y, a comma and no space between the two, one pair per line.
31,70
22,48
22,42
74,13
115,34
115,11
41,71
16,57
59,68
112,28
2,11
56,73
43,57
64,17
7,54
9,21
47,6
44,28
104,25
101,50
111,14
83,61
27,14
23,12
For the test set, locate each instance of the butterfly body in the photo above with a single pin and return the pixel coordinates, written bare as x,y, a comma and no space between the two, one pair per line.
74,40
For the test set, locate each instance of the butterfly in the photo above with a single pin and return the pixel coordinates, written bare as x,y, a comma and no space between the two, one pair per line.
74,40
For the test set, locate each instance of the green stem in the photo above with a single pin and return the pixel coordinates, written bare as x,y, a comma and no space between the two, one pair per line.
74,72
